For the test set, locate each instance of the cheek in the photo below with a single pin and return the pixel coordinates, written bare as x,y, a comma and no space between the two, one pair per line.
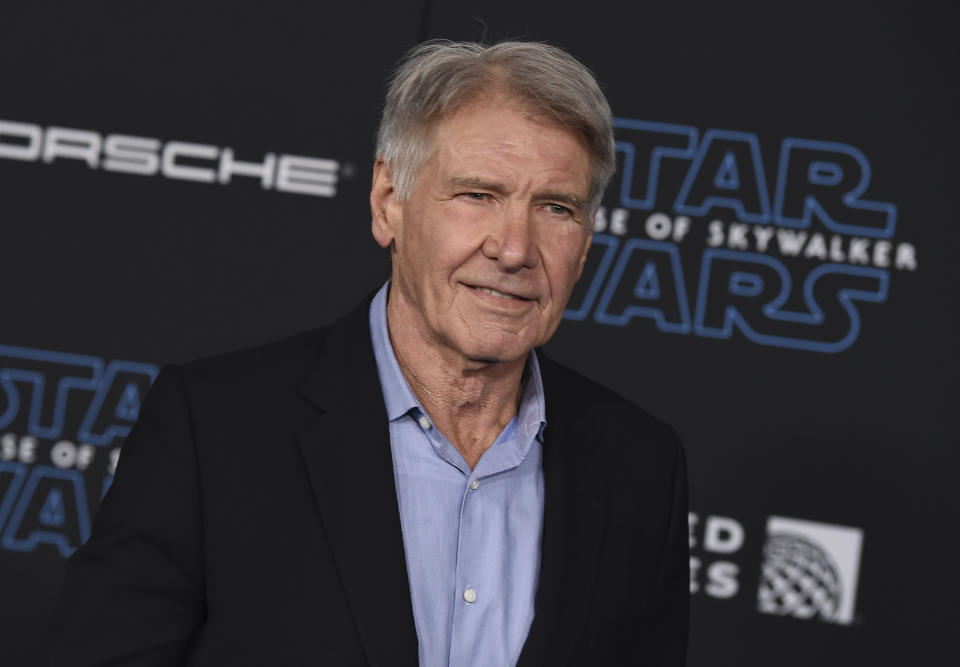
563,257
447,239
430,264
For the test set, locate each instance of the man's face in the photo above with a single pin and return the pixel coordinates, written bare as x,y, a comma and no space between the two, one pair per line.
494,235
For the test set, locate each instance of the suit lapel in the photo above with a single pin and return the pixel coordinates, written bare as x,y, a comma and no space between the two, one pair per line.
347,456
572,531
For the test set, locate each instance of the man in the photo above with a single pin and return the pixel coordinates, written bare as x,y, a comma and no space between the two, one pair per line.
413,483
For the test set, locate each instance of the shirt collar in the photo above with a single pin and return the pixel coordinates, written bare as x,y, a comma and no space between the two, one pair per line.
397,395
399,398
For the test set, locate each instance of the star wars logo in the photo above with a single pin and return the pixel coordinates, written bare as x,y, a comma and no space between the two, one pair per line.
62,419
693,240
180,160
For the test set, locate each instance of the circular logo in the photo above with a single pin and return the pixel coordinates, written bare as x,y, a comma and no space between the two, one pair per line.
798,579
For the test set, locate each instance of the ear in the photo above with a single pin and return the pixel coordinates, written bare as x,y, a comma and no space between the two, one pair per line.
385,207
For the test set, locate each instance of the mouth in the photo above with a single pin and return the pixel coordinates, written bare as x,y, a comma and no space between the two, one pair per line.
493,292
497,294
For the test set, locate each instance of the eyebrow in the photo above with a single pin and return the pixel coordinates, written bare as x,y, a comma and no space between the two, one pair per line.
475,182
479,183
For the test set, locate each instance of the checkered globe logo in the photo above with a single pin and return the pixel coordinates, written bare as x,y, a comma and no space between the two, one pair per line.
799,578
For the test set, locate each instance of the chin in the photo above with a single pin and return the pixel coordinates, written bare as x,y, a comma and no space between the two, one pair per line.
493,351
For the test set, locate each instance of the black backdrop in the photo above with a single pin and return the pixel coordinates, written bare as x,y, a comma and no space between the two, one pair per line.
810,374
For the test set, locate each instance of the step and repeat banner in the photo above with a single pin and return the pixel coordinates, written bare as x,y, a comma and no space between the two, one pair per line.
772,271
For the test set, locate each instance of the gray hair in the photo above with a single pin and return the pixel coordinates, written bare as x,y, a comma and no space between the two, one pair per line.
438,77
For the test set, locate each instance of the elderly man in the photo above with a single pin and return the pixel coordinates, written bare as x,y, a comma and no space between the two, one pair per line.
412,484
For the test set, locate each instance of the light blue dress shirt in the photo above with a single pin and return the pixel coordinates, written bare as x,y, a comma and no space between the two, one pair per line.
471,537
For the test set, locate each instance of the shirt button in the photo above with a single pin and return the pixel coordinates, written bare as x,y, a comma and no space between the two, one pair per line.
425,422
474,485
469,595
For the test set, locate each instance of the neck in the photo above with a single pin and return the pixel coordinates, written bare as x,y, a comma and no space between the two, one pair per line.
470,401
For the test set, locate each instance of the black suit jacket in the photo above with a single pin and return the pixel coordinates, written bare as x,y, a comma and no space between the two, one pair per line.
253,520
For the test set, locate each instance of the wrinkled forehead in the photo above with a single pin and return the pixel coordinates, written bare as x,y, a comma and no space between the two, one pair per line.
498,97
510,144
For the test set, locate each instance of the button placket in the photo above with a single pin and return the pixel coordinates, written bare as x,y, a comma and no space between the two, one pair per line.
469,610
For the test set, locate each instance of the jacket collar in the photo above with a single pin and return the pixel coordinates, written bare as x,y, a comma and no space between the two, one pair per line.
572,525
347,455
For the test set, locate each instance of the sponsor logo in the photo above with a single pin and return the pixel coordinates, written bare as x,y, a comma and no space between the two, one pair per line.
715,541
180,160
810,570
698,238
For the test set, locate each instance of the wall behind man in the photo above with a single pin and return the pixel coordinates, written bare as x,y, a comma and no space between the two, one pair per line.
180,179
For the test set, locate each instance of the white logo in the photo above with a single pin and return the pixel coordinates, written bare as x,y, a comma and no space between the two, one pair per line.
182,160
810,570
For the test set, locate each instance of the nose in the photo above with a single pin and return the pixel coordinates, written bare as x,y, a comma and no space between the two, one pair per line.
511,242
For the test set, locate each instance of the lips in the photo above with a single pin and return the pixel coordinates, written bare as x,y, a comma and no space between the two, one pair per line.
493,292
498,294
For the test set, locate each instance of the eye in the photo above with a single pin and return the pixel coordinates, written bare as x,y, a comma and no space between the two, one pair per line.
559,209
476,196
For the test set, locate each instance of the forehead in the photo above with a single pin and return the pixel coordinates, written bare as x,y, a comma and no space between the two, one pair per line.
504,132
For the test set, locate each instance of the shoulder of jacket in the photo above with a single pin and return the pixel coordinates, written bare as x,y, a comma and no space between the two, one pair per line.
292,358
607,411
